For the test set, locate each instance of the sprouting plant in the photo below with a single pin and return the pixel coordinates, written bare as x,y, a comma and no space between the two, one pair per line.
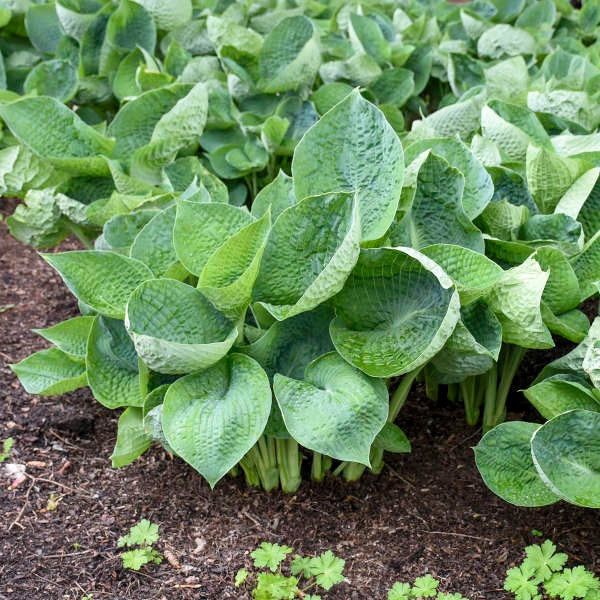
306,573
543,565
423,587
53,502
142,535
6,448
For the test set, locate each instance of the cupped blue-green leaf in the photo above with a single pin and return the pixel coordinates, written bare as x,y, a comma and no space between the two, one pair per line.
586,265
55,78
504,40
461,118
507,78
229,275
573,325
103,280
128,27
75,17
49,372
478,188
472,272
133,126
287,347
436,215
176,129
120,231
277,195
395,312
55,133
70,336
336,410
562,292
560,393
503,457
312,248
223,32
516,299
43,27
290,56
132,439
503,219
392,439
472,348
352,148
153,246
152,414
393,86
168,15
201,228
566,453
183,171
175,329
367,37
212,418
112,365
591,361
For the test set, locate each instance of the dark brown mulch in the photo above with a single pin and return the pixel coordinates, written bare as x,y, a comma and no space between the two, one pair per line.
428,512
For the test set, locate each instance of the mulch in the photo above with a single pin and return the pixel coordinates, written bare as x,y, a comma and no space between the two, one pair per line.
428,512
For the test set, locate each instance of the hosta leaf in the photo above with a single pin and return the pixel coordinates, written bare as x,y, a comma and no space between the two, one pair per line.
311,250
460,118
154,245
277,195
393,86
182,125
290,57
566,453
436,215
223,32
478,188
182,172
560,393
128,27
43,27
516,299
55,78
504,40
352,148
503,457
576,196
561,292
573,325
50,372
134,124
175,329
212,418
507,78
112,365
132,439
473,273
103,280
229,274
169,15
201,228
587,266
70,336
367,37
120,231
392,439
336,410
54,132
395,312
574,106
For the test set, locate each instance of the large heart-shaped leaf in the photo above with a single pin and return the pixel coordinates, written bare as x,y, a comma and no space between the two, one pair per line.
395,312
102,280
70,336
132,439
175,329
311,250
212,418
503,457
337,410
352,148
566,452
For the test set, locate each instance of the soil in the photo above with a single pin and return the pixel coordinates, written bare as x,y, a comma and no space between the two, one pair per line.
428,512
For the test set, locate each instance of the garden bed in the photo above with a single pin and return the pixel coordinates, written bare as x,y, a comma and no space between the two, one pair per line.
428,512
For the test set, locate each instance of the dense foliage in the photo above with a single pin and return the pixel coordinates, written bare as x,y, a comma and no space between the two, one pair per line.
300,203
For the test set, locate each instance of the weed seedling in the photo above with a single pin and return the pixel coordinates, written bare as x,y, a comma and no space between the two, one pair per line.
6,448
142,535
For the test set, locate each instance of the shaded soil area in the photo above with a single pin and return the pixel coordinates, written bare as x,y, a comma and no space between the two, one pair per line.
428,512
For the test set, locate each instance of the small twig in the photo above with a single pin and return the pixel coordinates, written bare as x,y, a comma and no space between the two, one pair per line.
393,472
62,439
7,357
189,586
16,521
62,485
474,537
64,555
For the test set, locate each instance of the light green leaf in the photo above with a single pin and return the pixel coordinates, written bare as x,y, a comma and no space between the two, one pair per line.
277,195
290,57
566,453
70,336
504,40
132,439
392,439
212,418
43,27
309,254
55,78
112,365
395,312
503,457
103,280
168,15
175,329
336,410
367,37
50,372
350,149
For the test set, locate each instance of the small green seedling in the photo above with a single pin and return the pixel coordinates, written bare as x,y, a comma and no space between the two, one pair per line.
53,502
423,587
6,448
322,571
143,535
544,566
